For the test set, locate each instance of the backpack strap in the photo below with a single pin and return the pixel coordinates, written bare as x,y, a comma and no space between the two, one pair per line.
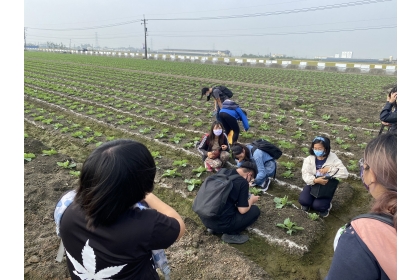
387,219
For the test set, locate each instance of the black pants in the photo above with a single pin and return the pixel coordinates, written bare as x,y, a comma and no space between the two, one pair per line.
230,123
239,223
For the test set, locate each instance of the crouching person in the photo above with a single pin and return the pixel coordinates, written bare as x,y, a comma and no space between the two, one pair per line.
224,204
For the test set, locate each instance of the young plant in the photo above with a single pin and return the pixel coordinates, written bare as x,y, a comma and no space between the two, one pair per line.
326,117
290,226
182,163
156,154
171,173
192,183
281,131
352,136
282,202
74,173
313,216
49,152
265,126
305,150
362,145
287,174
66,164
199,170
339,140
255,191
29,156
299,122
353,166
189,145
289,165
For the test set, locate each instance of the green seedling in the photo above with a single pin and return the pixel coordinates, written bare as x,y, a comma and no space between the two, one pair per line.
313,216
345,146
289,165
110,138
66,164
265,126
255,191
98,143
192,183
57,125
199,170
171,173
160,135
182,163
25,135
339,140
189,145
281,131
74,173
176,140
145,130
305,150
352,136
353,166
347,128
156,154
287,174
282,202
49,152
326,117
290,226
29,156
362,145
78,134
247,135
89,139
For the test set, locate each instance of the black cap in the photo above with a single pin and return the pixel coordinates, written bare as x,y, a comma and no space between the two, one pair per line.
250,165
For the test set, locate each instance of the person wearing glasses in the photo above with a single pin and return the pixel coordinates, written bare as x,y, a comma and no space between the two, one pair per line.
315,170
366,248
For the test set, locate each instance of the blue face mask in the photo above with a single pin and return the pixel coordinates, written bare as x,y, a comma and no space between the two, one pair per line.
318,153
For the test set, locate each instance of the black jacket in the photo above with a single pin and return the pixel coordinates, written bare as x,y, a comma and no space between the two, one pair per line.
389,116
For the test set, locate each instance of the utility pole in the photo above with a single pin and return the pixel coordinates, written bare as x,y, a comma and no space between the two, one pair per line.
24,36
70,45
145,40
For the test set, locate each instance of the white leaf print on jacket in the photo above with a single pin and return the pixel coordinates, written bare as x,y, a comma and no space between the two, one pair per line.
89,262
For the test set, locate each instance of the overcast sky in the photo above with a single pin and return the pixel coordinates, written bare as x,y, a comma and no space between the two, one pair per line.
301,28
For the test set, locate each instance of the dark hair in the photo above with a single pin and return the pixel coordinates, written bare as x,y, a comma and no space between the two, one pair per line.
114,177
203,92
249,166
238,148
394,89
325,141
212,136
381,157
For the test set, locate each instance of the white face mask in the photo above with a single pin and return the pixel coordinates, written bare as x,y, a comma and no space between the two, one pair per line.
217,132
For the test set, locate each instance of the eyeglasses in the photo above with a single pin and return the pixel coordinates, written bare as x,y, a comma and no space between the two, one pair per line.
319,138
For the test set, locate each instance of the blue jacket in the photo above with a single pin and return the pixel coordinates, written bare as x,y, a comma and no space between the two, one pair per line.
265,163
233,109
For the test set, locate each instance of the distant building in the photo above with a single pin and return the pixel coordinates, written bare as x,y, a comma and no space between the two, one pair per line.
225,53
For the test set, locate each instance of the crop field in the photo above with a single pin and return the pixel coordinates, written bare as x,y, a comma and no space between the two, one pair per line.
74,103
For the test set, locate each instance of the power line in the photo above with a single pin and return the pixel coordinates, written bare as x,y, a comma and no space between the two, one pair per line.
311,9
281,34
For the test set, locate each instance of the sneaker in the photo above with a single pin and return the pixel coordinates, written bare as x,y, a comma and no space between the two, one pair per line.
305,208
208,167
235,239
265,185
325,213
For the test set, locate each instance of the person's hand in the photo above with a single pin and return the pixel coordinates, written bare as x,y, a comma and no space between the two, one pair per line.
321,181
392,98
385,123
210,155
253,199
224,147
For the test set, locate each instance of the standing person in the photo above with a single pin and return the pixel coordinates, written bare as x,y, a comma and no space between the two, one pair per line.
388,114
315,169
104,231
220,94
366,248
266,164
214,147
229,116
239,211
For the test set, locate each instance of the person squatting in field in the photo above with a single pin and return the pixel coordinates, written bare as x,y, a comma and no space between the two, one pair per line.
266,164
320,163
106,234
214,147
229,116
239,212
366,248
